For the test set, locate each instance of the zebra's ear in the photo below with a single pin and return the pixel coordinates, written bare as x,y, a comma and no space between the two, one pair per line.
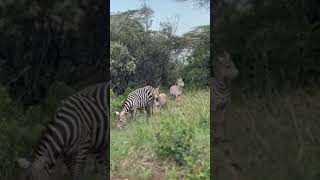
117,113
23,163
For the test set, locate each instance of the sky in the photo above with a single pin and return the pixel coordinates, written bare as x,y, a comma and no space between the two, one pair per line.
189,15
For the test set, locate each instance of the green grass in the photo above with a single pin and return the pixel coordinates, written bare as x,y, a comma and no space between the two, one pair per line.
136,153
275,137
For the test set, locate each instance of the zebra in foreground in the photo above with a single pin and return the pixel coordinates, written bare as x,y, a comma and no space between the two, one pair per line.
80,126
161,99
142,98
176,90
225,71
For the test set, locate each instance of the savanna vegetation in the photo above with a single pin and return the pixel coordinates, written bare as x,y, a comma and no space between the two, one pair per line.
48,51
175,142
272,123
173,145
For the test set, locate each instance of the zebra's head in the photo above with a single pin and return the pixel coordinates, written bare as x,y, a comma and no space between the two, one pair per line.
180,82
224,67
121,119
30,171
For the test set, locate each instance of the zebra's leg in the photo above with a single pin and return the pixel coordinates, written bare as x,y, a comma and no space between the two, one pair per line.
216,123
75,161
152,106
224,124
148,113
132,114
102,161
215,126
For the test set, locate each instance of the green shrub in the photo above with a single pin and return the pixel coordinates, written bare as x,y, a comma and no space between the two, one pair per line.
197,168
174,140
115,105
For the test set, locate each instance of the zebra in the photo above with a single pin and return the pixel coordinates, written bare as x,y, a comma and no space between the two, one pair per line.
80,126
176,90
225,71
142,98
161,99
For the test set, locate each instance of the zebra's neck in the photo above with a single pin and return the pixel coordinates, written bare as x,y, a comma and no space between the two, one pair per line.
221,84
221,91
125,107
46,154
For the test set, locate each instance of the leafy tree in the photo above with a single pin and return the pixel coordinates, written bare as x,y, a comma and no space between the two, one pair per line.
44,42
122,64
272,42
196,72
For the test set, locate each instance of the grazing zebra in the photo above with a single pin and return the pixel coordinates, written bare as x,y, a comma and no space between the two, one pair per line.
176,90
142,98
225,71
80,126
161,99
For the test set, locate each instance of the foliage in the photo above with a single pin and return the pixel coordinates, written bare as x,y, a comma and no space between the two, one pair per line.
121,60
272,42
157,55
123,64
184,128
174,141
115,105
16,125
197,168
274,134
199,3
196,72
43,42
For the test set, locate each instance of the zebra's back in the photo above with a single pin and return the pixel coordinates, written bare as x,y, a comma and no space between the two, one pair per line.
139,98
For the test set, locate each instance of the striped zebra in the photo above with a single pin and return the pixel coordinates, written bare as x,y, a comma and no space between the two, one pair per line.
161,99
80,126
225,71
176,90
142,98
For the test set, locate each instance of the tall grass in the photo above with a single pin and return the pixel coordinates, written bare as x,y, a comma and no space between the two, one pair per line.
173,145
275,137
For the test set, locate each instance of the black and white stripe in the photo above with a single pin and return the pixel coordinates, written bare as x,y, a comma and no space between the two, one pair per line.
142,98
225,71
80,126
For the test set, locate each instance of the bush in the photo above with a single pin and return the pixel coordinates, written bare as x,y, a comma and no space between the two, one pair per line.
197,168
174,140
115,105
